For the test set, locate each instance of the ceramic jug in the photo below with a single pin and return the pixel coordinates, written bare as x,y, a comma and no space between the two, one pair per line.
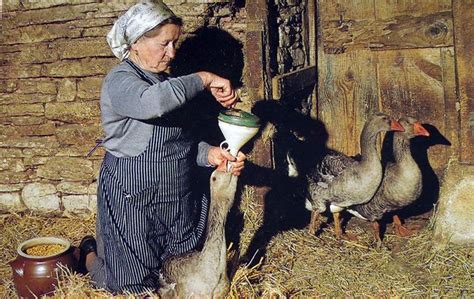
34,276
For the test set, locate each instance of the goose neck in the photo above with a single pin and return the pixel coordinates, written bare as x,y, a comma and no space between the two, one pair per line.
401,149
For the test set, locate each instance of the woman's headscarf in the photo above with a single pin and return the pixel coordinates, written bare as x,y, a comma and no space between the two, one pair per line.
138,20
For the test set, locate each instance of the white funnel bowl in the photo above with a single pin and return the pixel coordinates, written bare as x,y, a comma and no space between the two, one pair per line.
236,136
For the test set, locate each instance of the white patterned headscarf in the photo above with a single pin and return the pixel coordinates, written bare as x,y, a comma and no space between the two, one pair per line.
138,20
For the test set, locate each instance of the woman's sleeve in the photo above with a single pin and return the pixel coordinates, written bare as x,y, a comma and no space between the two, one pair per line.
202,158
135,98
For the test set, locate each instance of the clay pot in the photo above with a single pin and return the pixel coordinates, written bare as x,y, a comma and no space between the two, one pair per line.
34,276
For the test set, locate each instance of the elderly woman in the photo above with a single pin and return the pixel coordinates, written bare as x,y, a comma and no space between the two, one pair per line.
146,204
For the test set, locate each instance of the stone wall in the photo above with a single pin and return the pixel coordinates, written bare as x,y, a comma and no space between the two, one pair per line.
53,58
290,21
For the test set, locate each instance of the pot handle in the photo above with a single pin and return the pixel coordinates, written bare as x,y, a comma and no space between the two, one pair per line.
18,266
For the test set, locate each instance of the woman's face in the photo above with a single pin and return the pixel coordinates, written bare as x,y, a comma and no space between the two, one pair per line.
155,50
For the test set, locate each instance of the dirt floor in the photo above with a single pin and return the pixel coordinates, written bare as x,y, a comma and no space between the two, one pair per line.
285,261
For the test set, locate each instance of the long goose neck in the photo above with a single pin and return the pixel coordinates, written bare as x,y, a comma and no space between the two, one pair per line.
401,149
368,148
215,224
222,199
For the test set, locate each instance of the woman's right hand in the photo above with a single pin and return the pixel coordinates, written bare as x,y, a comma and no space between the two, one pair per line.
220,88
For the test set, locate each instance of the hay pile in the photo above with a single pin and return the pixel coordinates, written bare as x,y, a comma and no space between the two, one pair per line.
295,264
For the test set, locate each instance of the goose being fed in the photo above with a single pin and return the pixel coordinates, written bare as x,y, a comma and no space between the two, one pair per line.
203,274
401,184
341,181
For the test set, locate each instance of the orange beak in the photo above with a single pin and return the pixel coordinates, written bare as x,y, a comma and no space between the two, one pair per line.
420,130
396,126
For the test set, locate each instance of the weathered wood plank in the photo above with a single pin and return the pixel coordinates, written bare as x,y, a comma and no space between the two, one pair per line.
289,83
333,10
450,100
463,11
411,84
347,95
434,30
386,9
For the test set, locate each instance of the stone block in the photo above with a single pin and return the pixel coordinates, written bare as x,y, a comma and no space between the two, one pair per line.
78,134
67,90
66,168
92,189
10,153
79,68
89,88
77,204
22,120
38,33
191,9
18,98
80,150
11,177
9,188
36,86
454,221
54,14
80,48
207,1
12,164
11,5
20,71
94,22
28,142
50,3
46,129
73,188
192,24
93,203
10,201
35,53
97,32
8,86
41,152
74,112
33,162
22,110
41,197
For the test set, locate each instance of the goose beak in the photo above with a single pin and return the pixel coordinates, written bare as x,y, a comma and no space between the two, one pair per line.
420,130
396,126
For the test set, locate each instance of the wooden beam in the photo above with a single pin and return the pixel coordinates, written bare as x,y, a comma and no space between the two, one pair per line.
255,80
289,83
401,32
463,11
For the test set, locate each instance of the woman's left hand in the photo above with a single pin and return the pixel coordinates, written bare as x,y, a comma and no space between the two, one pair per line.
219,157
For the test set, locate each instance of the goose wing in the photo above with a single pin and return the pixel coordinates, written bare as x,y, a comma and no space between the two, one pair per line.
333,165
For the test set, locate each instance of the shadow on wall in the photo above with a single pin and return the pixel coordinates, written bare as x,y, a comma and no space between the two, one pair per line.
214,50
431,185
284,206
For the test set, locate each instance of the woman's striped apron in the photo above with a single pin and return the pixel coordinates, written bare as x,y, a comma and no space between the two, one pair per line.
147,211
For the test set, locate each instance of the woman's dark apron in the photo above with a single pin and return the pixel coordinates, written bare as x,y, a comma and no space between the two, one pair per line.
147,210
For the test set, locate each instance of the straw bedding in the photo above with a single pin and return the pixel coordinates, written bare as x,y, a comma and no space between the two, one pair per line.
295,264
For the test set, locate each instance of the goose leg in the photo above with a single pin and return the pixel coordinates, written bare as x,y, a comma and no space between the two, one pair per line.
314,222
338,228
337,224
400,230
376,227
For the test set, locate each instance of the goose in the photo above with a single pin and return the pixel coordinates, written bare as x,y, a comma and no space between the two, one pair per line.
203,274
401,184
341,181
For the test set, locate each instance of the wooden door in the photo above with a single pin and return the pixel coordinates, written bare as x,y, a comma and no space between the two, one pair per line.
399,57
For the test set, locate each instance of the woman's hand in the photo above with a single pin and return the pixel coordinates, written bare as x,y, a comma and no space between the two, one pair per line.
220,88
219,157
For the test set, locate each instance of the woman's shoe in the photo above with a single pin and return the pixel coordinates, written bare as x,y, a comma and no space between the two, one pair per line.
87,245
